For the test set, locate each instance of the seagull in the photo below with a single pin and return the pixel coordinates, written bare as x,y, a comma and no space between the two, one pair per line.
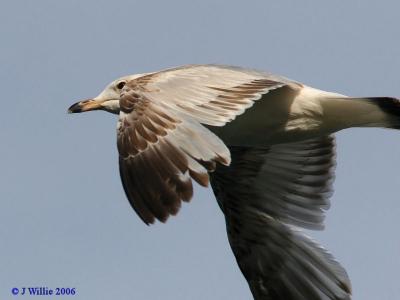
264,142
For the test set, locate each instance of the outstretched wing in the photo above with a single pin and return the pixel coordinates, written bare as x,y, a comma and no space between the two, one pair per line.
161,141
210,94
263,194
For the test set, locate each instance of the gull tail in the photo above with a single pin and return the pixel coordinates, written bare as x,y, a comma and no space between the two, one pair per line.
345,112
391,108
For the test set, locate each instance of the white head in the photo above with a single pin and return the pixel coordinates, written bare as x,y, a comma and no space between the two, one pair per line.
107,100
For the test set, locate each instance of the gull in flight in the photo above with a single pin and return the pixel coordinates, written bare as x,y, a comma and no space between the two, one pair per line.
266,145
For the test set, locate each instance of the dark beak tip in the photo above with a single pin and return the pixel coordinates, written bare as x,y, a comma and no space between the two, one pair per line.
75,108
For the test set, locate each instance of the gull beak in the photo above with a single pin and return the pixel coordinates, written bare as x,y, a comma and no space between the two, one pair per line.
85,105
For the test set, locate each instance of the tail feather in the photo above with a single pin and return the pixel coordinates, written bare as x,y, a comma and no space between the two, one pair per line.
391,107
345,112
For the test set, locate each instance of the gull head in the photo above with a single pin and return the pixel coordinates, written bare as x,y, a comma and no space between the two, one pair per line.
107,100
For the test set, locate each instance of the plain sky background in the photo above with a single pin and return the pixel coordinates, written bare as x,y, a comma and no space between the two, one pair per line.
64,218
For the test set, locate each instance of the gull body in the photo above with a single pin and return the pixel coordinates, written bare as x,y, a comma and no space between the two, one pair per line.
289,114
266,143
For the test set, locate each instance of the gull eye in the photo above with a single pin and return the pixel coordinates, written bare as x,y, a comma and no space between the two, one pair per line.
120,85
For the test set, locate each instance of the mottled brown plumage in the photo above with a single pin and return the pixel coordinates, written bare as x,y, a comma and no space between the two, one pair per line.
148,146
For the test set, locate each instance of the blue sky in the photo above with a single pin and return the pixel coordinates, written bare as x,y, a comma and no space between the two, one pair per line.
64,219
